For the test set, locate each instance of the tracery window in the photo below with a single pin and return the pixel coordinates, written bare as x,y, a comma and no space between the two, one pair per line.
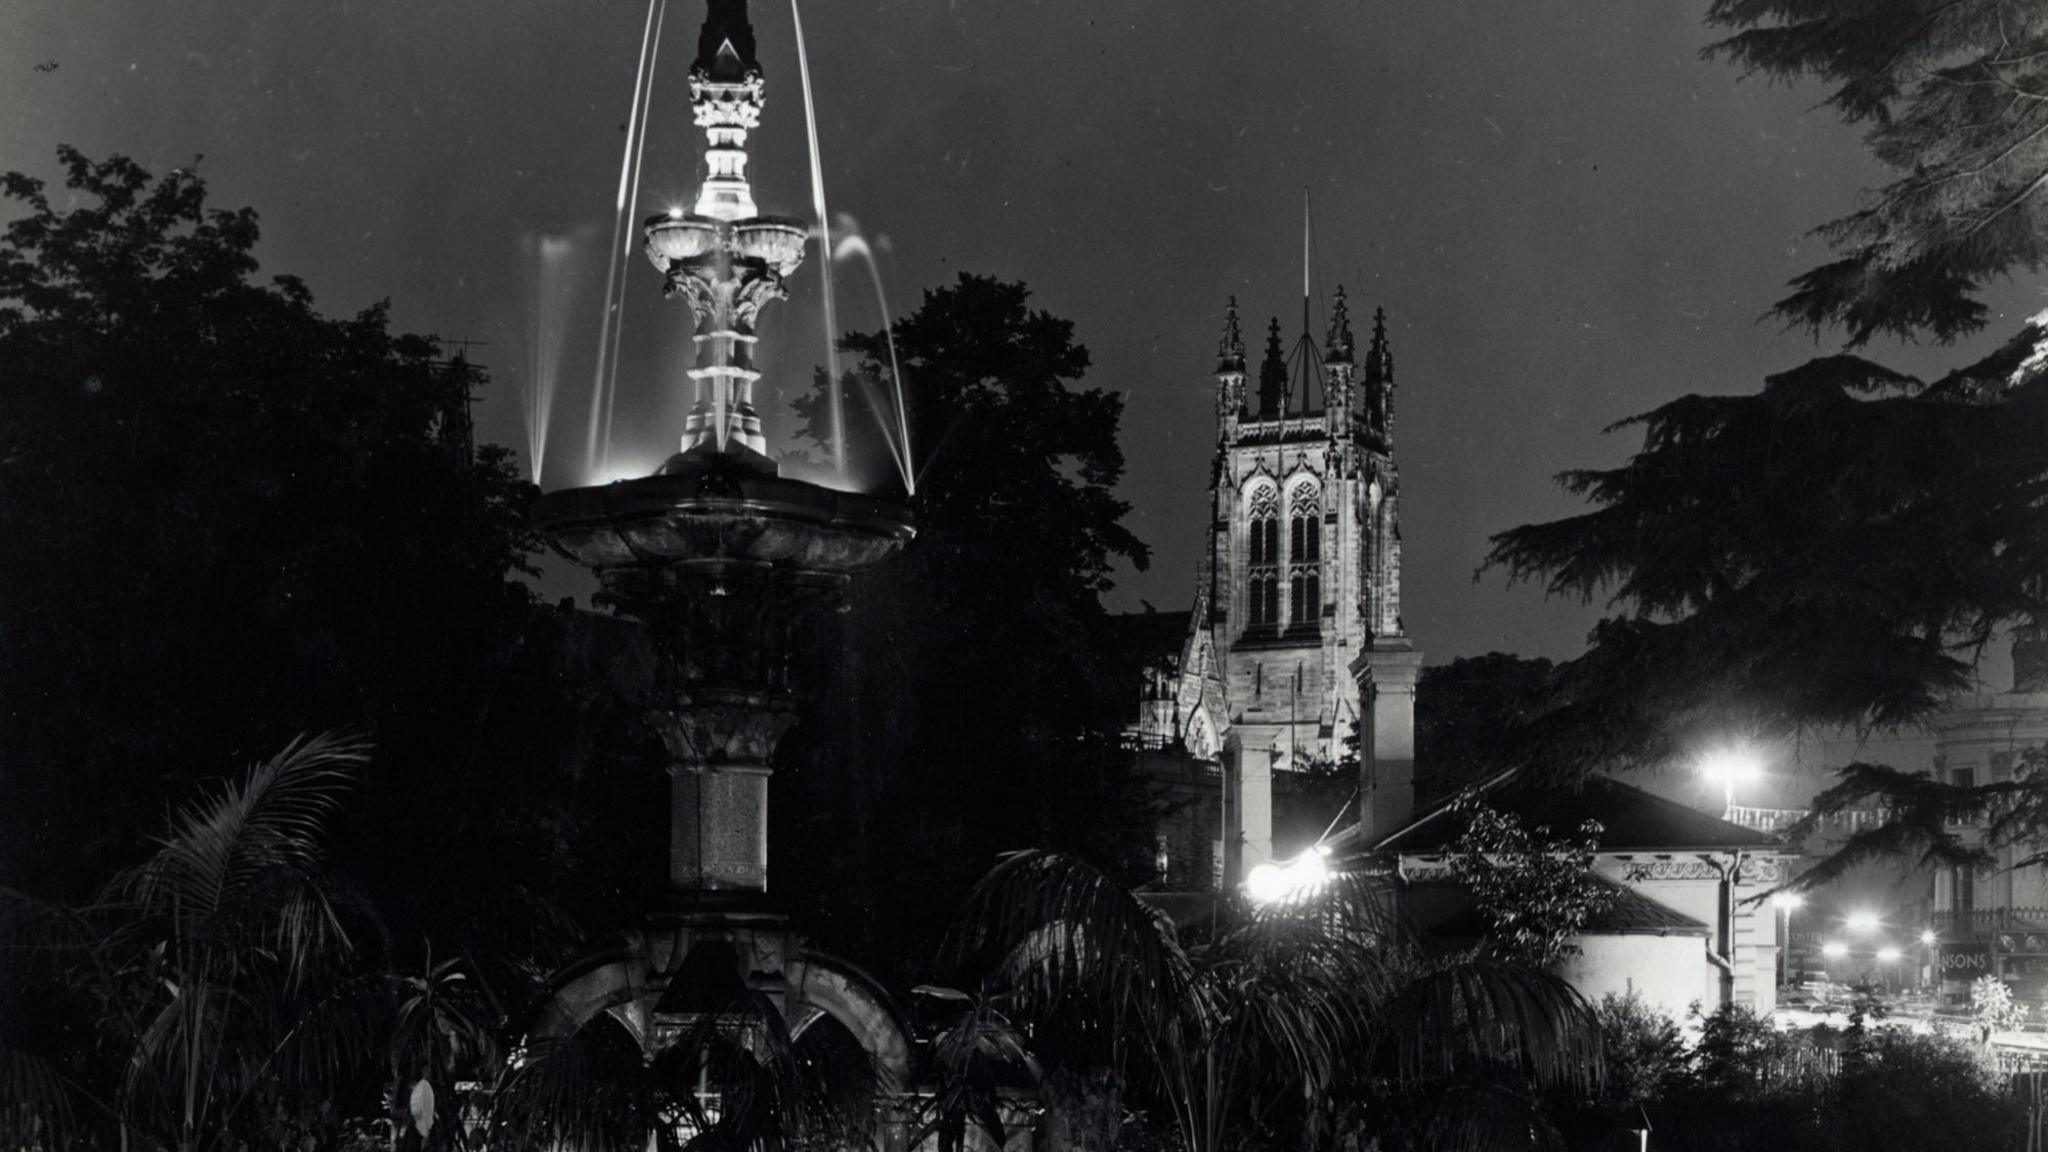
1262,563
1305,558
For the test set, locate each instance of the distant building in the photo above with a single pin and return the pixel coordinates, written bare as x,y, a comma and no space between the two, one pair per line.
1295,642
1683,928
1994,922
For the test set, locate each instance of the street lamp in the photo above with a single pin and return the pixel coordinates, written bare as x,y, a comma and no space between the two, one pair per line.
1834,949
1927,937
1786,903
1302,876
1729,766
1864,921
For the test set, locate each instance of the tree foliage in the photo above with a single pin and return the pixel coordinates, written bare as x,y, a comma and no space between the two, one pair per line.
1745,1084
1953,97
1835,550
1536,890
1466,713
1309,1021
229,518
967,705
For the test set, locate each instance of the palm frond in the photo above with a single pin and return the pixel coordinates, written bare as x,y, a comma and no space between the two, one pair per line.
1476,1011
249,857
590,1090
1061,932
37,1102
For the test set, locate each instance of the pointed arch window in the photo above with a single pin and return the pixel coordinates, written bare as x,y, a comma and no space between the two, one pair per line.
1262,560
1305,558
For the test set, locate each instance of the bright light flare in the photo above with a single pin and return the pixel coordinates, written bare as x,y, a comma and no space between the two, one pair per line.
1728,766
1927,937
1789,901
1887,954
1834,949
1863,920
1300,877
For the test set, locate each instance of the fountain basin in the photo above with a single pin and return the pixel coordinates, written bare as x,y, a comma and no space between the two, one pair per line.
718,511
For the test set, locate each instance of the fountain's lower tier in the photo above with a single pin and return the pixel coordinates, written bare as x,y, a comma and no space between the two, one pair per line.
716,512
723,560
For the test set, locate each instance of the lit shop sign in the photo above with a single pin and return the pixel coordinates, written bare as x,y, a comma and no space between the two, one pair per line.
1965,960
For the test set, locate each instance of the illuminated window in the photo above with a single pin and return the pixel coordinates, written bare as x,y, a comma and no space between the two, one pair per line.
1305,558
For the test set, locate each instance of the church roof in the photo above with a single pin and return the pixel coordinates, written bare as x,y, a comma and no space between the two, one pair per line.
1631,819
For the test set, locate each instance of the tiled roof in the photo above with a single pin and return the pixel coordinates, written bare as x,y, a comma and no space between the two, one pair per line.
1631,914
1631,819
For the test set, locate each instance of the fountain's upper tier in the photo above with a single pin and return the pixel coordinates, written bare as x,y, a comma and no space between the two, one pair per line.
706,248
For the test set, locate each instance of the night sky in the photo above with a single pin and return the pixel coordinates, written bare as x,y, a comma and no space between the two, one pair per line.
1568,216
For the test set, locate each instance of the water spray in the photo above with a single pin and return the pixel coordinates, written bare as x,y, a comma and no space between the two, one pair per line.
898,438
835,402
611,278
611,384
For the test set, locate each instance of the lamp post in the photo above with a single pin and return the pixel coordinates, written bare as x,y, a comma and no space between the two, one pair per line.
1786,903
1728,766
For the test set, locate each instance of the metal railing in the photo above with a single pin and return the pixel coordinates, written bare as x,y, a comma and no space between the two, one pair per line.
1774,820
1984,921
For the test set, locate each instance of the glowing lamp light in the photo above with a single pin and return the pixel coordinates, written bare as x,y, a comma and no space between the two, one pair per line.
1887,954
675,212
1928,937
1863,920
1834,949
1278,883
1789,901
1729,767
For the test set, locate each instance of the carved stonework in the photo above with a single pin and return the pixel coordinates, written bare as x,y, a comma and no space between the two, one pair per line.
742,729
1754,870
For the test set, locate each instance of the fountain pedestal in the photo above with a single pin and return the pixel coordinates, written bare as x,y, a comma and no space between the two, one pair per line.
724,561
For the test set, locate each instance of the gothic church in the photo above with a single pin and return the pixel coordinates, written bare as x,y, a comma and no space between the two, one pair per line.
1295,642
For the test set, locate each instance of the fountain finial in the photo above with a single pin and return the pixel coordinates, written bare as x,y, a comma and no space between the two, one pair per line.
726,94
725,257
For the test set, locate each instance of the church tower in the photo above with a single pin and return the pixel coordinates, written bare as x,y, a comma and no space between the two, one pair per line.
1296,642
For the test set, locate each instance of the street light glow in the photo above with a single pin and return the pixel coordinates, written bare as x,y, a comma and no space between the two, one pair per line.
1863,920
1887,954
1304,875
1834,949
1928,937
1789,901
1731,766
1728,767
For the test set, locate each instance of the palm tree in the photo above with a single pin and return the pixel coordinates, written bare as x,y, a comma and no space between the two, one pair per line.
222,975
244,939
1267,1023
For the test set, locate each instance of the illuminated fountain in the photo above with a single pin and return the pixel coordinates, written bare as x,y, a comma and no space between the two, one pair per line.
723,559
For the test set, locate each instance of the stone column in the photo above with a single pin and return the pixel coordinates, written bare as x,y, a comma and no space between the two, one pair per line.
1248,800
1387,673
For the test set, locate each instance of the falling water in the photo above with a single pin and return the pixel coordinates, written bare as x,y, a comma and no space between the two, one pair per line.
597,447
834,401
611,384
897,438
553,286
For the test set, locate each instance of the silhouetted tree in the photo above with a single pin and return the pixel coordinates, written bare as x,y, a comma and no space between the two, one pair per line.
969,709
1837,550
230,519
1954,100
